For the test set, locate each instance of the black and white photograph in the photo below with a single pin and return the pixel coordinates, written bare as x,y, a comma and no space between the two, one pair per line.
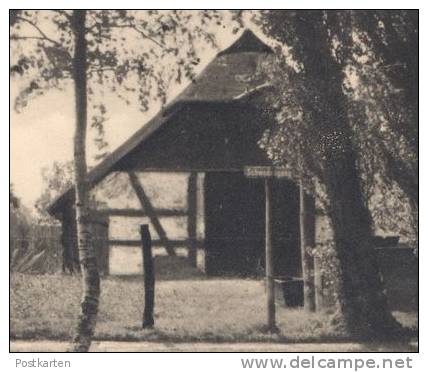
214,181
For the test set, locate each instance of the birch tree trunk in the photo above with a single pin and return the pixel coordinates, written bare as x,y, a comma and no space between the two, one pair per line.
90,277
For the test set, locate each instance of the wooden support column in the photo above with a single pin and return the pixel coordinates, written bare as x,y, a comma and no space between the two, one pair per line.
200,222
149,277
191,218
148,208
307,242
271,323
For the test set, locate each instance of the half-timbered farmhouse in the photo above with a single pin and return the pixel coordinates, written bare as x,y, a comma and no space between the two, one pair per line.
182,174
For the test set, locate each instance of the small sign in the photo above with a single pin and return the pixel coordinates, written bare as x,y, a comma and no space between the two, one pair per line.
281,172
266,172
256,172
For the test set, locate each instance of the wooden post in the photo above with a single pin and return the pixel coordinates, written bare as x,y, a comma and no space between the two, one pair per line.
149,277
191,218
269,259
307,239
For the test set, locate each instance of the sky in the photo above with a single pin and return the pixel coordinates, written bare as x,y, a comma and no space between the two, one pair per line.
42,133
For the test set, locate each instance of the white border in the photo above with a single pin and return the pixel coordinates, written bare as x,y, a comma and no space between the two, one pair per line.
190,362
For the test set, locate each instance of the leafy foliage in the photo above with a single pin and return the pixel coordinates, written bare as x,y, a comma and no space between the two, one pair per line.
57,179
375,51
32,247
125,48
316,133
386,65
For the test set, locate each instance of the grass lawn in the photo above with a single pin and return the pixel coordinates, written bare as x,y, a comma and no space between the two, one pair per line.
45,307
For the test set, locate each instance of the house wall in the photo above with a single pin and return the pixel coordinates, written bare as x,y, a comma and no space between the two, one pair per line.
116,198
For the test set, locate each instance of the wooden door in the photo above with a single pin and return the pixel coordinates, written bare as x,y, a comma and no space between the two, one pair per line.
234,224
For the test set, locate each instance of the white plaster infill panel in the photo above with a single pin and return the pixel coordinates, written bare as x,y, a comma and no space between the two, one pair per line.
165,190
128,228
125,260
115,192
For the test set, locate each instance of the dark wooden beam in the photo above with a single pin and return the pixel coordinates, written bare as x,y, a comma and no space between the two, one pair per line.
189,170
191,217
156,243
142,213
151,213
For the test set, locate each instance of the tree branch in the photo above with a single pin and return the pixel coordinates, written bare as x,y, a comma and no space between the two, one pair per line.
43,36
141,32
16,37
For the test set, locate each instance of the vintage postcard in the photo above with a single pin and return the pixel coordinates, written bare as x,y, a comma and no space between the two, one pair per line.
214,181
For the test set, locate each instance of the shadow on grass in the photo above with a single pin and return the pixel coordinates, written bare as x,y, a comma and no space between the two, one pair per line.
258,335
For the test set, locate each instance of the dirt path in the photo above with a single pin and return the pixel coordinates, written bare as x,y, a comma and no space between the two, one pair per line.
114,346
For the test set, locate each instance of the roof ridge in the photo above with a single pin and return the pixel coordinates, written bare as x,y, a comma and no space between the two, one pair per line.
247,42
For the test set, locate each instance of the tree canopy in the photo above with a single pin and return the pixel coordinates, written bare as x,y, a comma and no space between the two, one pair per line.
137,55
375,52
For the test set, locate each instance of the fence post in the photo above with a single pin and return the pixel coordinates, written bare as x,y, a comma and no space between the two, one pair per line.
149,277
271,322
